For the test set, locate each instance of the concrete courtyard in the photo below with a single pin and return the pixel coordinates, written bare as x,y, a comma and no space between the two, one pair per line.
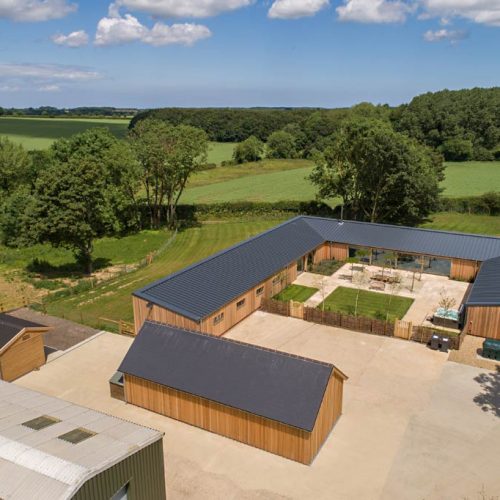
414,425
425,289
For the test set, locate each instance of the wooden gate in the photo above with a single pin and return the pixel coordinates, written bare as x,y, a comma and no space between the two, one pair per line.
403,329
296,309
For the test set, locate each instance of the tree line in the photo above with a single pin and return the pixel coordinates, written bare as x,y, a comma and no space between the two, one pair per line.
461,125
93,185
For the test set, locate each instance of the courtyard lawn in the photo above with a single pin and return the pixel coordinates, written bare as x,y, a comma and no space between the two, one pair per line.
113,298
298,293
370,304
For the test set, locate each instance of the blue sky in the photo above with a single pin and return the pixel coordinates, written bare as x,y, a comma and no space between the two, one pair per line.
149,53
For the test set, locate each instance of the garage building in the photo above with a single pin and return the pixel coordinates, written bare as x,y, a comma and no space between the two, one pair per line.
275,401
21,347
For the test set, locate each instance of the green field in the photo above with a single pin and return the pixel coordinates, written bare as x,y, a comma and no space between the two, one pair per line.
298,293
113,299
370,304
288,181
465,223
40,133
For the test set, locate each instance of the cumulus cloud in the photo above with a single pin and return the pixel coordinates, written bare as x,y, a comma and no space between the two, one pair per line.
116,30
479,11
74,39
35,10
444,35
374,11
293,9
184,8
49,88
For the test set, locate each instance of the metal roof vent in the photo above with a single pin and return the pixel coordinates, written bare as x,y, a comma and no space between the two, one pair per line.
39,423
77,435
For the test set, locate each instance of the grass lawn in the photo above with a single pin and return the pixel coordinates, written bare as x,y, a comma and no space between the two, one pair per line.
107,252
370,304
298,293
471,178
113,299
220,151
479,224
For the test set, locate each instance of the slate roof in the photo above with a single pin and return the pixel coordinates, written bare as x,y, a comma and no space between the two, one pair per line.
407,239
37,464
203,288
271,384
486,289
10,326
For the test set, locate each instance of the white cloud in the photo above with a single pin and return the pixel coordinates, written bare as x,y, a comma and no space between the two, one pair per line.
374,11
35,10
74,39
445,35
42,77
47,72
183,8
116,30
293,9
479,11
49,88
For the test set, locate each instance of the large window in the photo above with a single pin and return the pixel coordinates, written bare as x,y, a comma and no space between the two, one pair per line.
240,303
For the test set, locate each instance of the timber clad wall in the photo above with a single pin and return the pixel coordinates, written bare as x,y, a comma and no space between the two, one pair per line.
24,355
269,435
465,270
232,313
483,321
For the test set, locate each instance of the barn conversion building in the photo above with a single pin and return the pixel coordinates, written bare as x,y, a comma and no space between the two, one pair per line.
213,295
271,400
21,347
52,449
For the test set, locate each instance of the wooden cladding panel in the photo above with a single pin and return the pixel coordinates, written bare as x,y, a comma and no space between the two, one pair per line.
483,321
23,356
339,252
322,253
232,313
465,270
247,428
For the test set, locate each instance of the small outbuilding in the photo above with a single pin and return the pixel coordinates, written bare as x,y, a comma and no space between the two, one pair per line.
21,347
51,449
275,401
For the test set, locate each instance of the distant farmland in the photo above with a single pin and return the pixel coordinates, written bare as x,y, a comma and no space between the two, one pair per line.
40,133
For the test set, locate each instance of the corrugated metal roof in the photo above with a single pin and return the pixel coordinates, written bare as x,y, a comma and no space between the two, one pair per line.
10,326
205,287
36,464
274,385
407,239
486,289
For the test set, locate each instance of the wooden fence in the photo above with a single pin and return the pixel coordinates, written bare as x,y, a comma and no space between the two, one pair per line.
124,328
400,329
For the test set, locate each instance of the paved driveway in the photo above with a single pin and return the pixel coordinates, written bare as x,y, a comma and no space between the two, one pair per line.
410,428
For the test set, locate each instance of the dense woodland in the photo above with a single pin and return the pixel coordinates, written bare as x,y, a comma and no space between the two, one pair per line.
462,125
50,111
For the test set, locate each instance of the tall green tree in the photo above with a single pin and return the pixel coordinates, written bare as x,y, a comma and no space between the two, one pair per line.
281,144
14,166
168,155
381,175
251,149
86,192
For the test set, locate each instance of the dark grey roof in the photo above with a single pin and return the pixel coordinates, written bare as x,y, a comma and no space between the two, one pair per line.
10,326
486,289
205,287
408,239
270,384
